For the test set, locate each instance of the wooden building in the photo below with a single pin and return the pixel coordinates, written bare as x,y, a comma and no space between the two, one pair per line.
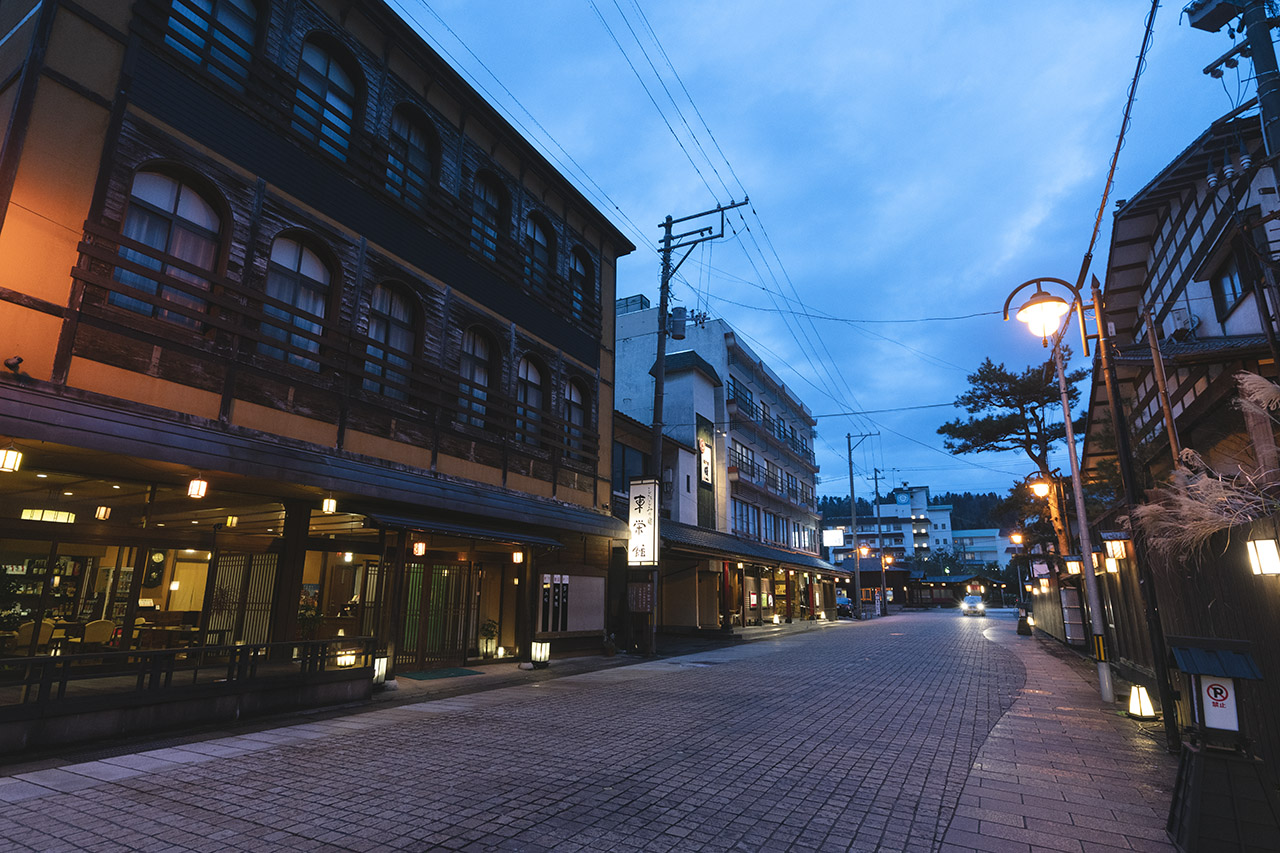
278,256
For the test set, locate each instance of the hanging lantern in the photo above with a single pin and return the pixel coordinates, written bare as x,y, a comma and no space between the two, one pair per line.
10,459
329,506
198,487
102,513
419,549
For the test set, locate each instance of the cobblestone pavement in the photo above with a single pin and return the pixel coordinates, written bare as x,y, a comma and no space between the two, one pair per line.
861,736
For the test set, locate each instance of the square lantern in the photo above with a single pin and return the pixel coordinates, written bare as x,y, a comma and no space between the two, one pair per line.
1264,556
541,655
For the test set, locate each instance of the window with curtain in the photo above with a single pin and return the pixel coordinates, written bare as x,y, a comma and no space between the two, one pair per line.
475,369
539,260
324,107
217,35
409,159
391,342
575,415
178,225
581,284
486,211
298,278
529,401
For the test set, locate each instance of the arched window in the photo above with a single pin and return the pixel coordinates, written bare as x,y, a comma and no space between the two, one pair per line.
391,343
581,284
178,225
297,278
575,415
409,156
476,376
529,401
486,212
539,258
324,108
217,35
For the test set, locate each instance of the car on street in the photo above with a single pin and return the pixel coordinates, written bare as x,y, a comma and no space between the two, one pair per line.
972,605
844,607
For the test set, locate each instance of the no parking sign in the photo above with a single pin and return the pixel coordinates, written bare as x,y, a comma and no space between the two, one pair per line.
1218,698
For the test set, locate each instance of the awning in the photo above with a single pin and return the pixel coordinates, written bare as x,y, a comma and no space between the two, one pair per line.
464,531
1213,657
731,547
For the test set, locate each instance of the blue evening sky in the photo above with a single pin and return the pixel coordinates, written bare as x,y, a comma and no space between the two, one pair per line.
904,161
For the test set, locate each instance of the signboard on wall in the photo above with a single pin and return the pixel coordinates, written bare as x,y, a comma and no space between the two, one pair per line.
1218,697
704,457
640,597
642,520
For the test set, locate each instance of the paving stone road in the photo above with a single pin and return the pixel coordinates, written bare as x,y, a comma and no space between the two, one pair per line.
860,736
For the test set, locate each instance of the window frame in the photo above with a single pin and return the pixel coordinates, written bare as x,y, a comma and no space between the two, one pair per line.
486,229
384,366
474,407
312,120
286,322
403,175
175,223
539,256
530,414
216,36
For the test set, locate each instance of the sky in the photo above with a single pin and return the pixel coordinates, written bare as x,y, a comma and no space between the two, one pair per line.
908,166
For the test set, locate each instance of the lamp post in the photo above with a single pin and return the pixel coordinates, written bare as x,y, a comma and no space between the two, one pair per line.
1124,459
885,560
1043,314
863,551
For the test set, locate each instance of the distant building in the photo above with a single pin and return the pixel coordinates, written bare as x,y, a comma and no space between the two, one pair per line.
908,527
737,476
977,548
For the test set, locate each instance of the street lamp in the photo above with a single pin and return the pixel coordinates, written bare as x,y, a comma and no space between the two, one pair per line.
1124,459
863,551
886,560
1043,315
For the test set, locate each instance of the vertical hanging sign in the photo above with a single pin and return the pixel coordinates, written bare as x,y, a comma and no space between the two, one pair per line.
642,547
704,455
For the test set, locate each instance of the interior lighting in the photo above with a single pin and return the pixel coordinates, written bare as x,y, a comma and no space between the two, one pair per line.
173,586
1116,549
198,487
233,520
56,515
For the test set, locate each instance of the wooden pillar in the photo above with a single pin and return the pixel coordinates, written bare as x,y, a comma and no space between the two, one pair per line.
293,556
791,594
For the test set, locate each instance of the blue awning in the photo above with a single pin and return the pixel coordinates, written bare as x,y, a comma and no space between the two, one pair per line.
1213,657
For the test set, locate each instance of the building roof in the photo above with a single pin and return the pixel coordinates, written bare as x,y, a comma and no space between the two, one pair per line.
678,362
726,545
1193,350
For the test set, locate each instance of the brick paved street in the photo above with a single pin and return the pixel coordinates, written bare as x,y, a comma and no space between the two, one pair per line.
883,735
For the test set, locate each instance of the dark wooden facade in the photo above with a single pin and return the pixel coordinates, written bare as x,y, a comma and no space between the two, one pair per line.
367,288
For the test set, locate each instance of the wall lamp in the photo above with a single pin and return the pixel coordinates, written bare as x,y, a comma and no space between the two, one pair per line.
1264,556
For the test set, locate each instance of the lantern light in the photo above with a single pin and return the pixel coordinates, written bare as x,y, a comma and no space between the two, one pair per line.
329,506
102,513
419,549
1040,488
1015,538
1140,704
198,487
1116,549
1113,565
173,586
233,520
1073,566
10,459
517,556
1264,556
541,655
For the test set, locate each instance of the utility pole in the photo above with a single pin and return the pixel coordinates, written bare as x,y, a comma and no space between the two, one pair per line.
670,243
875,473
853,522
